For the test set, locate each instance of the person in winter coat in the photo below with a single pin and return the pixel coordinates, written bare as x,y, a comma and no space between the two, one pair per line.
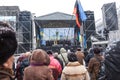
85,52
112,62
63,56
74,70
8,45
38,68
80,56
56,57
89,56
60,61
23,61
94,64
54,65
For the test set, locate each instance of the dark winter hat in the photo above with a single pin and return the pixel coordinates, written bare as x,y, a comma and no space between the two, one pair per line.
8,42
72,57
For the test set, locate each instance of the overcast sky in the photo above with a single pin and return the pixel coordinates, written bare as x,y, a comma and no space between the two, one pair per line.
43,7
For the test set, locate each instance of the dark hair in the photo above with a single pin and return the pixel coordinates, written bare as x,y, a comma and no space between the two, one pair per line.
96,50
78,49
8,42
72,57
49,52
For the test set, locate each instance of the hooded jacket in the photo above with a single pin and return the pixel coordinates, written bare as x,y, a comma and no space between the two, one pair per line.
38,69
63,56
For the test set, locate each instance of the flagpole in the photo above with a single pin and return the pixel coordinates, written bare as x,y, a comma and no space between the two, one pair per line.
80,17
82,37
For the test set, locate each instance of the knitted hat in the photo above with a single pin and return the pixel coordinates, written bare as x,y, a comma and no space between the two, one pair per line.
8,42
62,50
39,56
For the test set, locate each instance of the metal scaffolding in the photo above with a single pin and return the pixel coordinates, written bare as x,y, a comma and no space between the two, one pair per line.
22,23
24,32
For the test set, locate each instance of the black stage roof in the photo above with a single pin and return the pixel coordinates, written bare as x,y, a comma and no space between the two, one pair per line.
56,19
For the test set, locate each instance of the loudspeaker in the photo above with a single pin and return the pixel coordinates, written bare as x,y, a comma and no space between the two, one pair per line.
25,28
89,27
110,19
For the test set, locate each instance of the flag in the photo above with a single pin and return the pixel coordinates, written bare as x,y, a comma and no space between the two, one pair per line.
79,13
85,42
80,39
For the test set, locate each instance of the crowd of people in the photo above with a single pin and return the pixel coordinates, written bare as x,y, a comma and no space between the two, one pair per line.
48,65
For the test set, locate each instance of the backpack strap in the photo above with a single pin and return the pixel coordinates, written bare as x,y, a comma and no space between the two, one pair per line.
63,59
101,70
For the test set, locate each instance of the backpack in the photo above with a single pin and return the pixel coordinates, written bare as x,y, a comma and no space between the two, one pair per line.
20,68
101,73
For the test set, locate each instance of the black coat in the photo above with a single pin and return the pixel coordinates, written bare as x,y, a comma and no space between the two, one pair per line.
112,63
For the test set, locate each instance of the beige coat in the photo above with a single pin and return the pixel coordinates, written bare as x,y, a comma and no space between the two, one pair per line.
75,71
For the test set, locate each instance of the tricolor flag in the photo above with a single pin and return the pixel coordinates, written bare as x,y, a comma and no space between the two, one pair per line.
79,13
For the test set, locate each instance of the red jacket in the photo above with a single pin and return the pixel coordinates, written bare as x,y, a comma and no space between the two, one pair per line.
55,67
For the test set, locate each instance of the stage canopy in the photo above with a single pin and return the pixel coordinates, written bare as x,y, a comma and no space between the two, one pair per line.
55,20
53,27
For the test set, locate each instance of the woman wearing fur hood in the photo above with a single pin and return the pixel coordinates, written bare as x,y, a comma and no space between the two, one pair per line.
38,69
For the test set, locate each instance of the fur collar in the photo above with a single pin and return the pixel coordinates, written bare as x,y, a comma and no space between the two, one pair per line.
6,71
76,63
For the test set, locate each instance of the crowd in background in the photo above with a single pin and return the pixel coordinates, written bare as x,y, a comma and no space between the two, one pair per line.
48,65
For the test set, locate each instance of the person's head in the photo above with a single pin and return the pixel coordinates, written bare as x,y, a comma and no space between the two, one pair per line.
39,56
91,50
72,57
56,54
49,52
62,50
78,49
26,55
8,43
96,50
